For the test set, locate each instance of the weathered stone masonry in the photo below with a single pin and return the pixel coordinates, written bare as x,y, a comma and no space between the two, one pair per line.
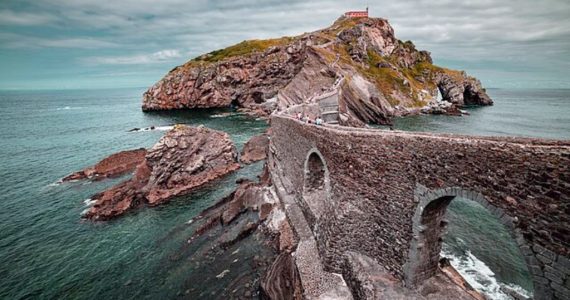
387,193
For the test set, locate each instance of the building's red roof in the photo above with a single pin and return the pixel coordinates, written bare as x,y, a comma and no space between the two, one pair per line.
362,13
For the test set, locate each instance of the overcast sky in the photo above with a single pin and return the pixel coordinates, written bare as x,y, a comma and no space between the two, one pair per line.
55,44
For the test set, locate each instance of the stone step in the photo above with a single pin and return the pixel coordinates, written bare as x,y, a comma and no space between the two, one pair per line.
330,112
328,107
328,101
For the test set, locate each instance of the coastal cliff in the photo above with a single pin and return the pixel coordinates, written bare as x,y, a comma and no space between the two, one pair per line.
375,75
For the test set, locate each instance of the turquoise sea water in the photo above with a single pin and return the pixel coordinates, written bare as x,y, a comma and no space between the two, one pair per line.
529,113
47,251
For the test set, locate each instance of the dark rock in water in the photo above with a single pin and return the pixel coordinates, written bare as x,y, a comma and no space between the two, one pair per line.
112,166
183,160
232,240
242,180
247,196
255,149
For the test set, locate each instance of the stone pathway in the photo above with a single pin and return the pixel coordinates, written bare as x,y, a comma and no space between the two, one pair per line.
317,283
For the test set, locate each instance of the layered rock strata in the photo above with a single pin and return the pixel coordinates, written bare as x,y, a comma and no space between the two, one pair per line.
358,63
255,149
183,160
112,166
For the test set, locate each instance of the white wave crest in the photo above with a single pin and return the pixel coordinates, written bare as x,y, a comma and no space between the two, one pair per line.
67,108
480,276
88,202
222,115
153,128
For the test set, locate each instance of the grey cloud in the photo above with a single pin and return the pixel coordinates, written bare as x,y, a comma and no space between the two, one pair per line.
10,17
156,57
10,40
534,33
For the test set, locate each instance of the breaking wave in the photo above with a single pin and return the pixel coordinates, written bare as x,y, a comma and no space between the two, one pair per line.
153,128
67,108
480,276
89,202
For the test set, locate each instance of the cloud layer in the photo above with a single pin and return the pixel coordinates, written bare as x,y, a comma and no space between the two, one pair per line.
488,36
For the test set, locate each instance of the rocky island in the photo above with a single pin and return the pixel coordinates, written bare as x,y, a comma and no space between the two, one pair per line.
350,212
374,76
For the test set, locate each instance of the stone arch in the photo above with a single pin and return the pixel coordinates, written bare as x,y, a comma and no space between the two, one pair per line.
428,230
316,183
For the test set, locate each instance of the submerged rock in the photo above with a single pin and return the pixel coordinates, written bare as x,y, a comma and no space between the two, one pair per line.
183,160
253,209
112,166
255,149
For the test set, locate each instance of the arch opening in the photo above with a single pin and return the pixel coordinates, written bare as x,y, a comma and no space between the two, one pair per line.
463,233
315,186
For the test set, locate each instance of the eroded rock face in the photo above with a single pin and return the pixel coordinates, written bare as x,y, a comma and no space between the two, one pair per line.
112,166
243,81
255,149
188,157
376,76
234,239
182,161
462,90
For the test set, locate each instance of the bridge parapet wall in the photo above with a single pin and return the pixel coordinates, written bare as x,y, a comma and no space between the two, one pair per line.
379,180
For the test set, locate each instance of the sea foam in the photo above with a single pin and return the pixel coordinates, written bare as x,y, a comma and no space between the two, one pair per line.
480,276
153,128
88,202
67,108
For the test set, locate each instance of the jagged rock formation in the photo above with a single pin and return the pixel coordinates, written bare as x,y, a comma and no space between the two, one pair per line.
375,76
112,166
254,208
255,149
183,160
282,280
240,237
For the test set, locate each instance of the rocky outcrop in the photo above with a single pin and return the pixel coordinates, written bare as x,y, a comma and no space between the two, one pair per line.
255,149
462,90
253,208
239,238
281,280
232,79
376,75
183,160
112,166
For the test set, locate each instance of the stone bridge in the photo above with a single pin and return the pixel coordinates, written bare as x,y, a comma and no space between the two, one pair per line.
384,194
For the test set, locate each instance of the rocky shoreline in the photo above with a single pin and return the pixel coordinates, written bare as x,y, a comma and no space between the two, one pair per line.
112,166
355,72
187,157
373,75
183,160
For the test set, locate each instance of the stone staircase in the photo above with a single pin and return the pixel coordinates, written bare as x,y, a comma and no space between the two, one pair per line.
328,106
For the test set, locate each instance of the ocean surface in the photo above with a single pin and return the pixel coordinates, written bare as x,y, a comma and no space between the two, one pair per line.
47,251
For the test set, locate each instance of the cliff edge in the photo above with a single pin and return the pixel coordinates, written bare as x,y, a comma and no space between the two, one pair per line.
373,75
